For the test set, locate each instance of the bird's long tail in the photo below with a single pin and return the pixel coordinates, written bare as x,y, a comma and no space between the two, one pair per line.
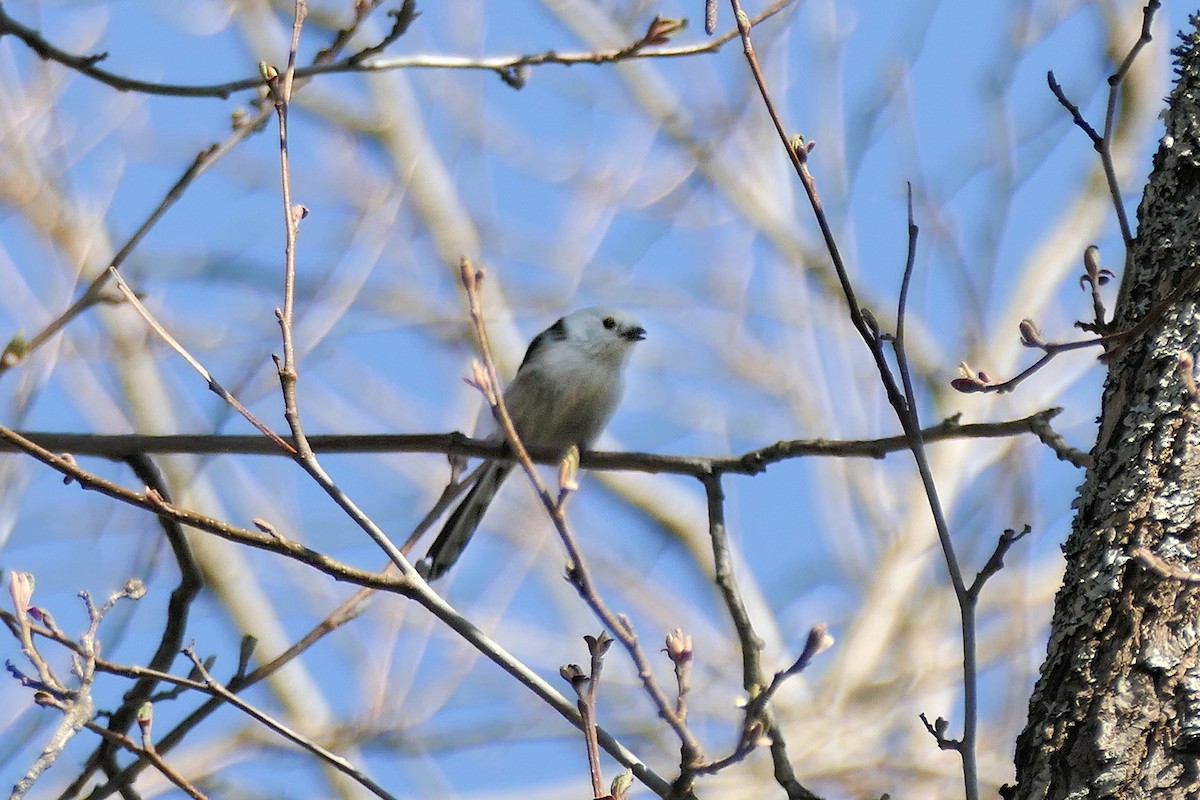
463,521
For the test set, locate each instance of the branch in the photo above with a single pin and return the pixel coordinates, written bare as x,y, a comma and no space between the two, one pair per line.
967,601
1103,142
510,68
996,562
174,625
343,613
76,705
758,721
213,385
585,687
18,349
112,739
970,382
328,756
122,446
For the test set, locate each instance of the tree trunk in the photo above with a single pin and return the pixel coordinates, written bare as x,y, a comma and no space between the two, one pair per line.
1116,709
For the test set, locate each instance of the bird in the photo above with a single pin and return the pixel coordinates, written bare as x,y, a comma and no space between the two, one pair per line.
564,393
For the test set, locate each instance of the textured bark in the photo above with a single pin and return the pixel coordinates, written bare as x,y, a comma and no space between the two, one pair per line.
1116,710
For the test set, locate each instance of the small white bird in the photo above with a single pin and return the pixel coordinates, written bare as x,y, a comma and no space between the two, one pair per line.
564,393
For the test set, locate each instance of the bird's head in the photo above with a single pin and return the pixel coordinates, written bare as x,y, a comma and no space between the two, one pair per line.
602,331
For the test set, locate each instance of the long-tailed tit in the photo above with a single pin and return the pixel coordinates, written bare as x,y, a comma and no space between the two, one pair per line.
564,393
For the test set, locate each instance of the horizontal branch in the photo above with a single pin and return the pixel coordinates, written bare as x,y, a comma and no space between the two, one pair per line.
121,446
505,65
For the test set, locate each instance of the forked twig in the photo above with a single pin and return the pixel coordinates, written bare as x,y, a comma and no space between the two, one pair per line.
213,384
1102,142
973,383
967,600
585,687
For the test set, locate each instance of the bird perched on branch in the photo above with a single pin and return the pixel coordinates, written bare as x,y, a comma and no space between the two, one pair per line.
564,393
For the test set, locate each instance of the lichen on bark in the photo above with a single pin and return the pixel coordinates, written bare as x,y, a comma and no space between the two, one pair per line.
1116,709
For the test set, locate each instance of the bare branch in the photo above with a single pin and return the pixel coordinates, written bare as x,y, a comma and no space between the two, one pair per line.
174,624
585,687
327,756
505,66
995,563
122,446
213,385
147,751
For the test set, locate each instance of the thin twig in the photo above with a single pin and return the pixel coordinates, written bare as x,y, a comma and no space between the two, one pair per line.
937,729
1072,109
20,586
281,93
586,686
213,384
1110,119
75,704
280,87
328,756
758,721
503,65
996,561
113,739
175,621
597,647
93,293
798,150
1103,142
967,601
1110,341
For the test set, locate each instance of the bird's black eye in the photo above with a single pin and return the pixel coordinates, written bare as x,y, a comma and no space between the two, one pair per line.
609,323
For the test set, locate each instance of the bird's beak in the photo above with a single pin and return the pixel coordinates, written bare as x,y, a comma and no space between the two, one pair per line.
635,334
